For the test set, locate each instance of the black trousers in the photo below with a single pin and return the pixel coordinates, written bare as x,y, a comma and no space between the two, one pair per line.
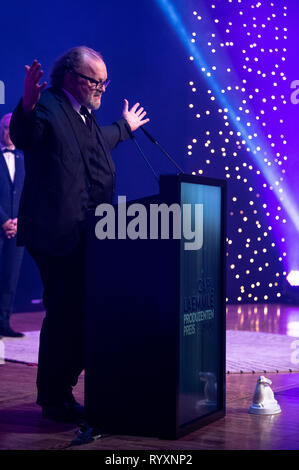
61,351
11,257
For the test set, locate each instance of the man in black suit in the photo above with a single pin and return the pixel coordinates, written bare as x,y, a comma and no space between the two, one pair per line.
11,184
69,170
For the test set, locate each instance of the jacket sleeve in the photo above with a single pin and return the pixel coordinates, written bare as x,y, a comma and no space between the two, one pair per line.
3,217
27,129
117,132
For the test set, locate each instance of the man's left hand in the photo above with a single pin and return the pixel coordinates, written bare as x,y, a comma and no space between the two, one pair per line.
134,116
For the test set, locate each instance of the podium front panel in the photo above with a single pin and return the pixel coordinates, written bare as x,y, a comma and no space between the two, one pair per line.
200,305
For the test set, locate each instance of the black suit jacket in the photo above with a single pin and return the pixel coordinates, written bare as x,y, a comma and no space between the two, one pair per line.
54,199
10,192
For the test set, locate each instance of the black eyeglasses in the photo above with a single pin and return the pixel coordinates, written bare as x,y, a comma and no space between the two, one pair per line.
93,82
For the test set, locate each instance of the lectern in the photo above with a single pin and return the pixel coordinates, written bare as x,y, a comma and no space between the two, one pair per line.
155,311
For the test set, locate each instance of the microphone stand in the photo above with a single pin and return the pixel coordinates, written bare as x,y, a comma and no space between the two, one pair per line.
152,139
141,152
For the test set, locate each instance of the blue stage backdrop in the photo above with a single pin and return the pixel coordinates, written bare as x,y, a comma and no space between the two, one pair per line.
175,57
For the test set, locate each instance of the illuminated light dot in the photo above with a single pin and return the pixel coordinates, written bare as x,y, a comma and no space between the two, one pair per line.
191,83
232,266
191,105
191,57
198,116
234,199
247,271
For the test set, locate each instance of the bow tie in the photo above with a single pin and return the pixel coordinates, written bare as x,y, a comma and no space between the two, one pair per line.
5,150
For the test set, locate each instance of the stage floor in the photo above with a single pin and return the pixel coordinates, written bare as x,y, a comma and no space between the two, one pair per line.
23,428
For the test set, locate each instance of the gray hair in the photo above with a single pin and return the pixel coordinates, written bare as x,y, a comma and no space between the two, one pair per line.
70,62
2,124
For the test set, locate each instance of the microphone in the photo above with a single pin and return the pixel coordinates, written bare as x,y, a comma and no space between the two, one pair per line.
141,151
154,141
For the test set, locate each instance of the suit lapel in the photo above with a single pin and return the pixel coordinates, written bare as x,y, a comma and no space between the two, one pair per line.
103,143
68,113
5,168
18,171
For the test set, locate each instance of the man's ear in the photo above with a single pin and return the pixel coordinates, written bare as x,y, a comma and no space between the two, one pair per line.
68,80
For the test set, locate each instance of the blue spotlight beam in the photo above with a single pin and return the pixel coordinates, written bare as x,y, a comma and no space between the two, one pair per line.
271,175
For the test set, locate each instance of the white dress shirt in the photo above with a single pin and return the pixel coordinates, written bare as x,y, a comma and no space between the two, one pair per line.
9,158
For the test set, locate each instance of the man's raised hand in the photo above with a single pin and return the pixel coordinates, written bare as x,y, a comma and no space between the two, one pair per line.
32,89
134,116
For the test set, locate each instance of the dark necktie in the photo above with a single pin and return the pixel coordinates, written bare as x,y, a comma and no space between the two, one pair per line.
88,119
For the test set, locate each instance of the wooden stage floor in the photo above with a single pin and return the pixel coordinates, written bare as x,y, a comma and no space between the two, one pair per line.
23,428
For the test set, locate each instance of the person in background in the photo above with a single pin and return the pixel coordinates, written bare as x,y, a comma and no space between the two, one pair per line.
11,183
